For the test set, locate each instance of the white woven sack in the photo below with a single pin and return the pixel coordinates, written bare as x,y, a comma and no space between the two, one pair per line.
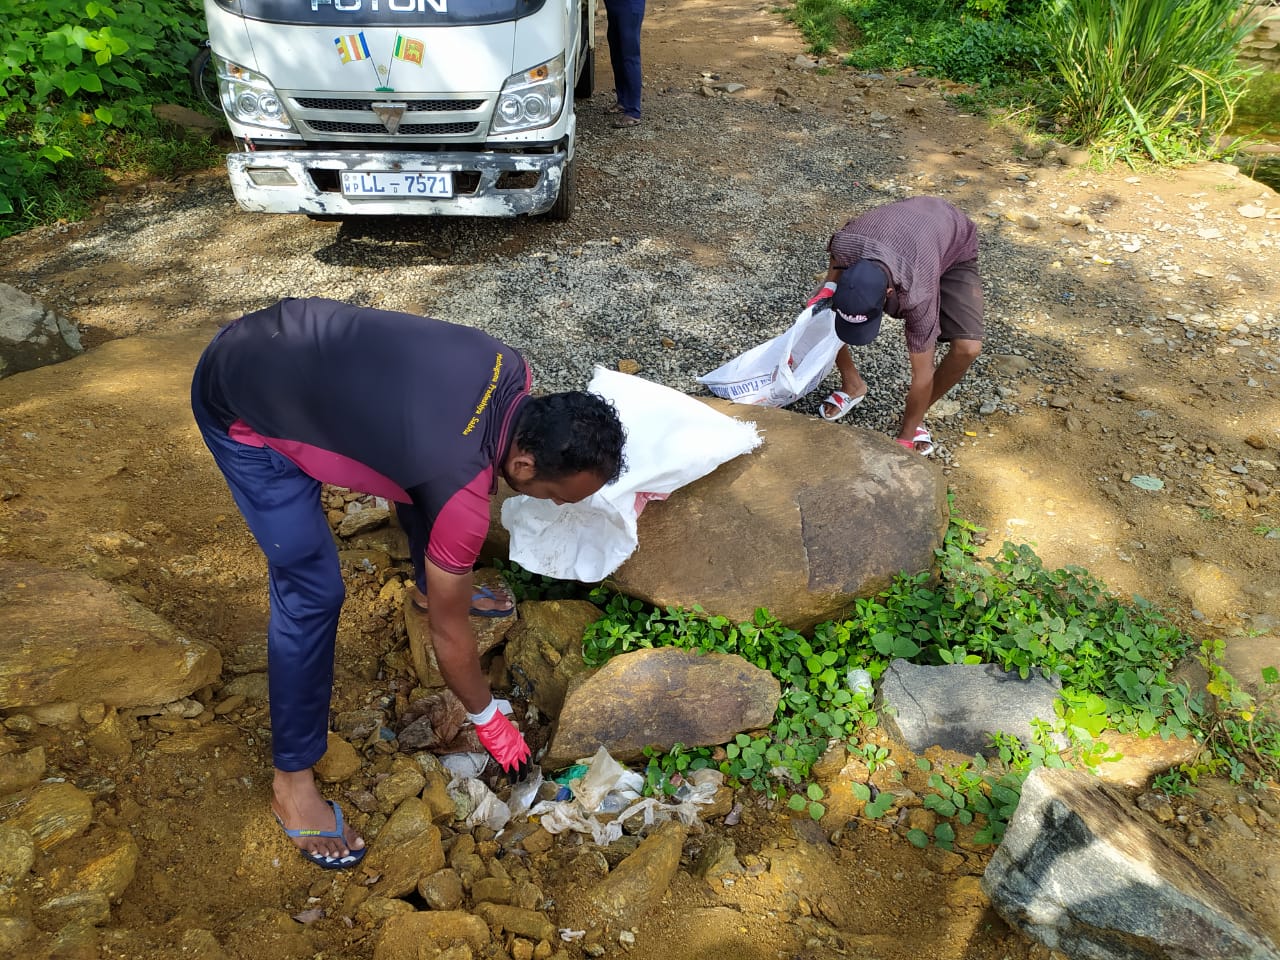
783,369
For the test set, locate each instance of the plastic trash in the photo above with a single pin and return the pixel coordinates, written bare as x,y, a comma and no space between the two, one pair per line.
477,805
610,789
672,440
783,369
860,682
465,766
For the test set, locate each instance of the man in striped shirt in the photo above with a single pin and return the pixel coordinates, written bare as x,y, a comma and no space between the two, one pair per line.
916,259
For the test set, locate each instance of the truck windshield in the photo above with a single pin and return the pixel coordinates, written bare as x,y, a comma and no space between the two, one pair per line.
382,13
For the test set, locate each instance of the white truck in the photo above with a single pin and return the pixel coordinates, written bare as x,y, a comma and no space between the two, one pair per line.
352,107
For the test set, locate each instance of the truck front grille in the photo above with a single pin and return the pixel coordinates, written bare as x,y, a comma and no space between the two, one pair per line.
378,130
363,104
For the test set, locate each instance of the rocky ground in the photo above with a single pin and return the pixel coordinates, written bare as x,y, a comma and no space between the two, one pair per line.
1134,337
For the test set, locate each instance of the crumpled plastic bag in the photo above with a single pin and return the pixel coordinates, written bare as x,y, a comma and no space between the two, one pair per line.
609,787
672,440
476,804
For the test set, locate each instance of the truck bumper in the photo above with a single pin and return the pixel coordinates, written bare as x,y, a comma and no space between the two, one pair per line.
486,183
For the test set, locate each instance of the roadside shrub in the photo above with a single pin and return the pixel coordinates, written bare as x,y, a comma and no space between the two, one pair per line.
981,41
1153,77
76,83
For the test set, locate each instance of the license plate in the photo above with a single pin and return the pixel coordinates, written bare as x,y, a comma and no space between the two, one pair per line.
387,184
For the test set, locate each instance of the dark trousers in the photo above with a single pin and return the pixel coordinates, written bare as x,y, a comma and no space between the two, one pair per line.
625,17
281,505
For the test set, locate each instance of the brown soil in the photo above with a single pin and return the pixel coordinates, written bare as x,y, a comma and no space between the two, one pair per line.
105,444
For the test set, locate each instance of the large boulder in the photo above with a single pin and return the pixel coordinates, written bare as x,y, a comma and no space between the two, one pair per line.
71,638
32,336
819,515
659,698
1084,872
544,649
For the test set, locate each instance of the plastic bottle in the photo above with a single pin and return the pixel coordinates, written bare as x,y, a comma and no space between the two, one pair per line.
860,682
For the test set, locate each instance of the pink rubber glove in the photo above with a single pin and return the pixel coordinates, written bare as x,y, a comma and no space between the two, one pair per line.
504,742
827,290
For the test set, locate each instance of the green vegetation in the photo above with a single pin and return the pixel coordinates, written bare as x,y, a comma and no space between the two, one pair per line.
1154,80
973,42
77,80
1146,76
1114,658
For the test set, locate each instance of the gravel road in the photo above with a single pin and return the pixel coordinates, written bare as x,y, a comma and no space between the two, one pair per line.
697,236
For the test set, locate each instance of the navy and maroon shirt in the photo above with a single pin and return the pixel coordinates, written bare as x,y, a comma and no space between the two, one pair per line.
918,240
408,408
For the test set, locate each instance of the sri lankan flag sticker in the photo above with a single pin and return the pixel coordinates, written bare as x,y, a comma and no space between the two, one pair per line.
408,49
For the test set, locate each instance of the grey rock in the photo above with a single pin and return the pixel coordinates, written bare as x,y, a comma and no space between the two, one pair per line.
1083,872
959,706
19,770
639,882
15,933
32,335
988,407
544,649
1009,365
17,856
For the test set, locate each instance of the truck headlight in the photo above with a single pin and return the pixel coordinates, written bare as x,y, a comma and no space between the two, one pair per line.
249,97
530,99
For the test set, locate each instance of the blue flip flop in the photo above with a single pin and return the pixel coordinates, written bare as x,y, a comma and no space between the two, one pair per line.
484,593
319,859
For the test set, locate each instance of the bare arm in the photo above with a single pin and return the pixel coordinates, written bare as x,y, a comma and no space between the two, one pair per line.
449,599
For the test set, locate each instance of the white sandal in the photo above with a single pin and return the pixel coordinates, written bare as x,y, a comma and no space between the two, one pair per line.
922,438
842,402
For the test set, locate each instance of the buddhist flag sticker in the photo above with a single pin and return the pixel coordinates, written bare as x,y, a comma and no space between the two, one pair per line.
408,49
352,47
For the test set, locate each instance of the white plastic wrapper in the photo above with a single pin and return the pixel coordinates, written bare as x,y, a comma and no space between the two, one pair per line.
482,803
672,440
609,787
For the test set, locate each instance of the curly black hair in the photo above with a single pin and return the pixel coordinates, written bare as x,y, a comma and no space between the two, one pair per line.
568,433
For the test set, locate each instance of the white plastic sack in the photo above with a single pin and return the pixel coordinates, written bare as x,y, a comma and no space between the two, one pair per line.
672,440
782,370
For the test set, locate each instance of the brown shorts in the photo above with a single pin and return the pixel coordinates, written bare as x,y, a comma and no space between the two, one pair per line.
960,307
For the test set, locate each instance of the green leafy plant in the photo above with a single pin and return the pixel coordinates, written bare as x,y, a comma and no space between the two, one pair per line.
534,586
980,41
1114,658
77,80
1151,77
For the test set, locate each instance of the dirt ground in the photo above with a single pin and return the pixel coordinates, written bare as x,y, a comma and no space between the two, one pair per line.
1130,376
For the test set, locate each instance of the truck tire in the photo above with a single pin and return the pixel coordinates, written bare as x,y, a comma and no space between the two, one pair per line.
586,85
567,198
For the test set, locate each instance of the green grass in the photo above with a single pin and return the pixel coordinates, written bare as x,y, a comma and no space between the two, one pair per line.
1152,81
956,41
1153,78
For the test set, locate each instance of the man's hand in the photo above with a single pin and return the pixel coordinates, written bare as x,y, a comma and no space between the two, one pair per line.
828,289
503,741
